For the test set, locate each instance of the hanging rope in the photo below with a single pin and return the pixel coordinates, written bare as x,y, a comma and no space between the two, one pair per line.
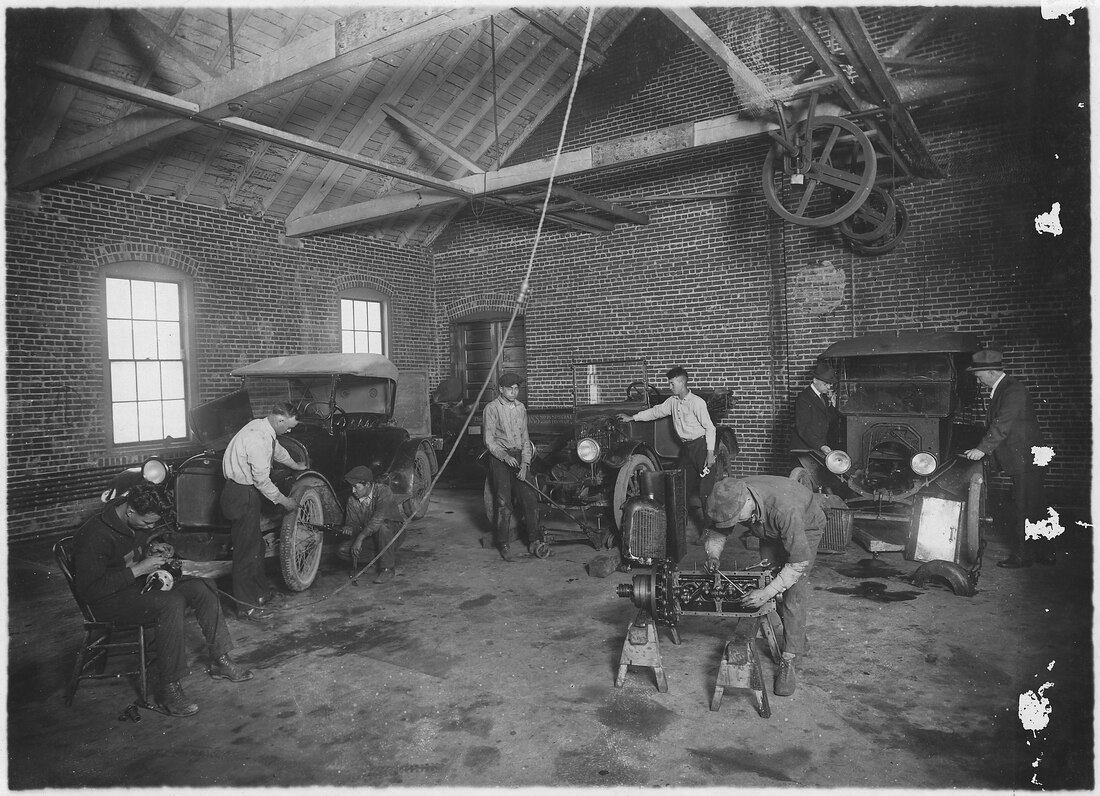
493,52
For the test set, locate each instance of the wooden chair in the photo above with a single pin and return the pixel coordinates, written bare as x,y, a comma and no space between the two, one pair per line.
102,639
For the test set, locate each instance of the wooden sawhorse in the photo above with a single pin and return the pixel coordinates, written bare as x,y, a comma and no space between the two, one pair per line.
740,666
642,648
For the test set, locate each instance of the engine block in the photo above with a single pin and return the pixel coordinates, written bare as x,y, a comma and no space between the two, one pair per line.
669,594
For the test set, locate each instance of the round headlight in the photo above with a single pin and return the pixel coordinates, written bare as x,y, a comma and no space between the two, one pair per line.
588,450
923,463
154,471
838,462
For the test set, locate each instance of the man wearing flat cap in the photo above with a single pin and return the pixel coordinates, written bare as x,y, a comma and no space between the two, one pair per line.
789,522
1012,429
815,425
504,428
372,512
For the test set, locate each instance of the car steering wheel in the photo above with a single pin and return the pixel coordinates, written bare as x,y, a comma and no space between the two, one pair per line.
652,395
318,409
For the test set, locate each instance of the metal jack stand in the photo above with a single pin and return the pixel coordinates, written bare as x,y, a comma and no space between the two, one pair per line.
740,666
642,648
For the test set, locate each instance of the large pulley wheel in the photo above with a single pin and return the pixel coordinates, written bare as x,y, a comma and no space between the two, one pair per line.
891,240
828,153
873,220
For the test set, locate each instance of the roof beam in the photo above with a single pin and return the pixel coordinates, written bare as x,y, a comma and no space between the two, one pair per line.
632,149
354,41
750,88
153,38
549,25
173,105
432,139
612,209
914,36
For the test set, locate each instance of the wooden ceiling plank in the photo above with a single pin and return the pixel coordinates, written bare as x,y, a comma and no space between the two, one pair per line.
91,37
619,152
552,27
432,139
172,104
915,35
749,88
163,43
300,63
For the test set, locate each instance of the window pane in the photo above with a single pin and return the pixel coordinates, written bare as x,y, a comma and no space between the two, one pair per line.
374,316
120,340
118,298
150,422
168,301
347,342
171,380
148,381
168,340
123,382
175,419
346,312
374,344
145,340
144,299
360,342
124,420
360,315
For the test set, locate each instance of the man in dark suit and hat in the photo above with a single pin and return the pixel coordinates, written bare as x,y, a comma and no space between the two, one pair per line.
815,425
1012,431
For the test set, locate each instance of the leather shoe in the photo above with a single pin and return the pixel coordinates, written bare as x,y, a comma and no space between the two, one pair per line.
224,668
267,598
1014,562
386,575
785,680
505,553
255,615
174,701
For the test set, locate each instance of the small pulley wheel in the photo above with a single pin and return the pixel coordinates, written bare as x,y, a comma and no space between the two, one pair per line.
824,152
542,550
891,240
873,220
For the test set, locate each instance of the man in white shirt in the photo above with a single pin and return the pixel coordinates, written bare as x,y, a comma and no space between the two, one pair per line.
246,465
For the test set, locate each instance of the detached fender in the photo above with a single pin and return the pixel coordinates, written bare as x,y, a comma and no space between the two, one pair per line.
955,576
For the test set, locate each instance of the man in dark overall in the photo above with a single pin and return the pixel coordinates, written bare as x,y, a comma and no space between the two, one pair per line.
789,522
111,561
504,428
1012,431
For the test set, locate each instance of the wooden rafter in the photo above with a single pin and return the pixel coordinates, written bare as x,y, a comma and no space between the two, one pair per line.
431,138
915,35
325,53
551,26
163,43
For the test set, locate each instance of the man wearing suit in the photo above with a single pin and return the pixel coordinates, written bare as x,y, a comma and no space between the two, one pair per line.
1012,430
815,425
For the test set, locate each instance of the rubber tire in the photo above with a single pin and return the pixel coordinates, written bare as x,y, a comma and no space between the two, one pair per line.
421,480
972,516
299,570
626,484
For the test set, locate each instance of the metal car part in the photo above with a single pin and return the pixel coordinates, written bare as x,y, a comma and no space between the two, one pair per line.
669,594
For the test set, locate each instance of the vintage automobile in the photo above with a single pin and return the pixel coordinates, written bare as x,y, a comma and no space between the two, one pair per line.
586,471
347,404
908,409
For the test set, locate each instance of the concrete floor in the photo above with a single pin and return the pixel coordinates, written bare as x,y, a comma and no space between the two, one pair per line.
469,671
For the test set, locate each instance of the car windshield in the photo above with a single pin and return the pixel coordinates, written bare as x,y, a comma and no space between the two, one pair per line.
263,393
912,384
313,394
609,381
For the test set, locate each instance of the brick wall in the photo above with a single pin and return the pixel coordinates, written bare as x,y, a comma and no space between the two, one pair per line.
710,284
257,294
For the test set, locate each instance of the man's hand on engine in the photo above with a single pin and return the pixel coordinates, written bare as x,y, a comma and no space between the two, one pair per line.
755,598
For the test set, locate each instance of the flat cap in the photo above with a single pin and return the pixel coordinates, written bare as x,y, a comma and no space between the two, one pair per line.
987,359
509,379
359,475
726,501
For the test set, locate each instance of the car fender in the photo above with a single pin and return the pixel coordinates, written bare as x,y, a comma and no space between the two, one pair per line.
621,451
288,481
401,467
955,576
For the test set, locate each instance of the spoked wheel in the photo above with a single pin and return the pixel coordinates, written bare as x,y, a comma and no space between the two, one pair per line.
873,220
416,507
830,152
299,545
891,239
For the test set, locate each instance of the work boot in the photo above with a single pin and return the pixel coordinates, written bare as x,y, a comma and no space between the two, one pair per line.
175,703
255,615
224,668
386,575
785,680
505,553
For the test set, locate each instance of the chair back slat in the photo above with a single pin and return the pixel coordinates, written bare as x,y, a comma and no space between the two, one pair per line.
63,552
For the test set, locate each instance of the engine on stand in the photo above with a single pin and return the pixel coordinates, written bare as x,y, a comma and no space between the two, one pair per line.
667,593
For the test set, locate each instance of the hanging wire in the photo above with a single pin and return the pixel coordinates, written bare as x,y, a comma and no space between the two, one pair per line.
521,297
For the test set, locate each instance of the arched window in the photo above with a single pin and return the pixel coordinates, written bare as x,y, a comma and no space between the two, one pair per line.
364,321
146,307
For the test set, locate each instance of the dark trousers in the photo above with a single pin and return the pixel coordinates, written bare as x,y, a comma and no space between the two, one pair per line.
388,559
241,506
693,458
1027,504
795,601
165,609
507,489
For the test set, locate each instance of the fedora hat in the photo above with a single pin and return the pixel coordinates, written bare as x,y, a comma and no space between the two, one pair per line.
824,371
987,359
726,501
